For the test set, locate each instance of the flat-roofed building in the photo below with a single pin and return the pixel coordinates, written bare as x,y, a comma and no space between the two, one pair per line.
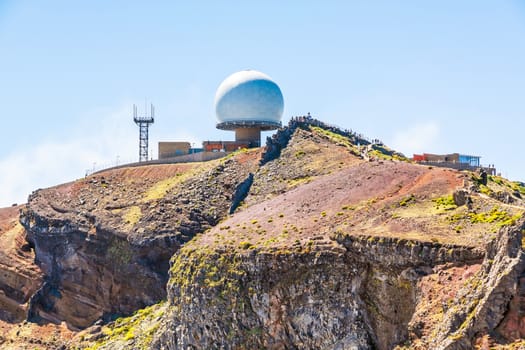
173,149
224,146
453,160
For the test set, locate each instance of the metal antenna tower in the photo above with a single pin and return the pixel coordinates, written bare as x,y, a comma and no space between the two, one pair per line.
143,123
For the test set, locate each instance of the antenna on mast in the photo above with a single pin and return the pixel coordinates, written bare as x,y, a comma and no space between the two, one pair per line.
143,122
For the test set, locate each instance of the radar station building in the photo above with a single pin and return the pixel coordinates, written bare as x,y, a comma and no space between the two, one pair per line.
246,102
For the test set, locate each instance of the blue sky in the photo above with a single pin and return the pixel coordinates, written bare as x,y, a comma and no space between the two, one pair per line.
432,76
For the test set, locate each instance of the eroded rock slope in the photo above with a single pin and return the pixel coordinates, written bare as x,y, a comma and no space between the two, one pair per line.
344,246
104,242
321,240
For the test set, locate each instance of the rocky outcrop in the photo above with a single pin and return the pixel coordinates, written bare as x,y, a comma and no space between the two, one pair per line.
307,155
20,278
404,253
484,302
271,301
104,247
280,140
91,276
330,297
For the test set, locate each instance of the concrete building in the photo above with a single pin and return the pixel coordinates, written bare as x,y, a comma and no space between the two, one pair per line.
224,146
453,160
173,149
248,102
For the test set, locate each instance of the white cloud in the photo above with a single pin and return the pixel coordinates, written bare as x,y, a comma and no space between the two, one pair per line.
53,162
418,138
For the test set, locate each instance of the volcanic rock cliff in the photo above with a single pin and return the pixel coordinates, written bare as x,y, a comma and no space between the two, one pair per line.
321,240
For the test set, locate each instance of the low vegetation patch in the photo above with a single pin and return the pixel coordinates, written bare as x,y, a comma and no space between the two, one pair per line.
517,187
337,139
382,152
135,331
445,203
407,201
204,267
119,252
245,245
132,216
161,188
299,181
495,215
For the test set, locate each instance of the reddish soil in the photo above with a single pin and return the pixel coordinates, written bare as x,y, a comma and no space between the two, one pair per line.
249,156
330,202
151,172
8,218
434,181
138,176
20,273
436,291
25,336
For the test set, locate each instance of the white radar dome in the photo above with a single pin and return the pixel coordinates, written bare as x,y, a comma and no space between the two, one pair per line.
249,99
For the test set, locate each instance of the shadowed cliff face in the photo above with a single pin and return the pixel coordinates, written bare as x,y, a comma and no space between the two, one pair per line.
20,278
340,295
104,242
322,244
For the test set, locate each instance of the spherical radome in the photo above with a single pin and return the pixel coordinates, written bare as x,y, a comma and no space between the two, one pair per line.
249,97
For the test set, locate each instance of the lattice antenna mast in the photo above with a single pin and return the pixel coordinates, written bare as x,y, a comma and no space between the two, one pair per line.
143,122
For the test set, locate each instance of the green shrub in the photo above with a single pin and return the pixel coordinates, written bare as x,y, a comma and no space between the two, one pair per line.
445,202
245,245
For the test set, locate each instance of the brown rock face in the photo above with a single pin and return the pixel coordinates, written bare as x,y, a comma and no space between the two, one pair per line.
104,242
271,301
20,278
344,294
88,278
513,326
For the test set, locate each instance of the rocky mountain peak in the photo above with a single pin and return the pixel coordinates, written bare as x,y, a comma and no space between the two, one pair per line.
321,239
